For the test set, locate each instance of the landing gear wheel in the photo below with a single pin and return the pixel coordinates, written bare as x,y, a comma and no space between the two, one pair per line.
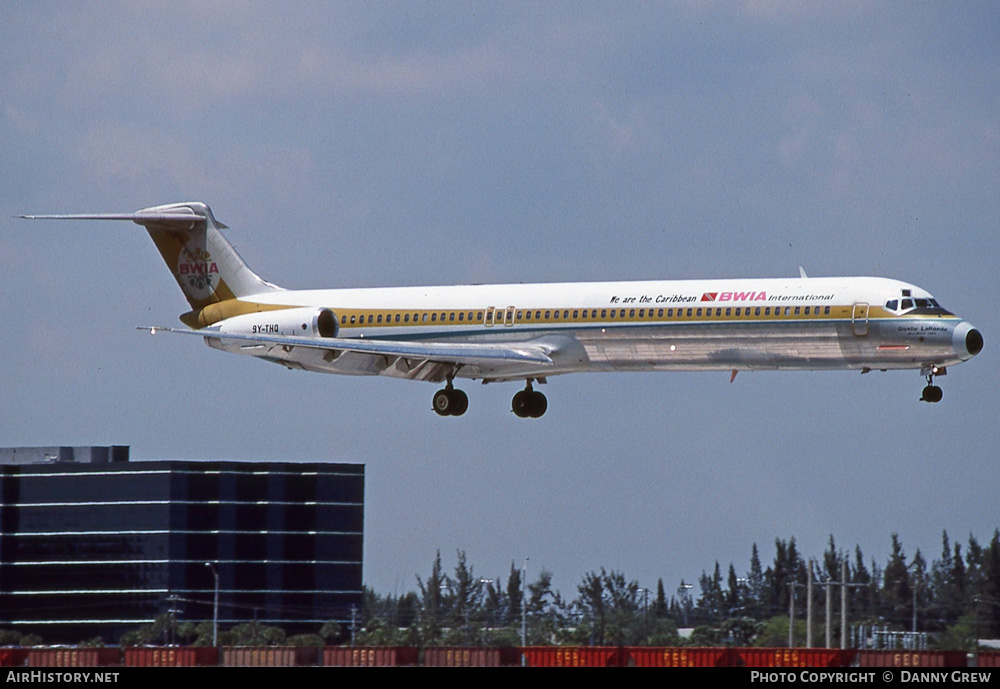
460,402
538,404
932,393
450,402
521,404
529,403
442,402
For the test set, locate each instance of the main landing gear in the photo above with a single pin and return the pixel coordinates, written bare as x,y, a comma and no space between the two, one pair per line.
932,393
529,403
450,401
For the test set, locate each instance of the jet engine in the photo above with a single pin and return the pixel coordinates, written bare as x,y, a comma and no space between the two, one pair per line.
299,322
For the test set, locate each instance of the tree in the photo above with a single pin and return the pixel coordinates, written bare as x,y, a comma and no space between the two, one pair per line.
432,598
897,588
515,597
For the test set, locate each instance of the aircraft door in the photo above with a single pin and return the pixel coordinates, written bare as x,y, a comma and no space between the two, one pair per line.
509,317
859,319
488,317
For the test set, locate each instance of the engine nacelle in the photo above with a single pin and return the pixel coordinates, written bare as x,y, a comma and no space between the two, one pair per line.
300,322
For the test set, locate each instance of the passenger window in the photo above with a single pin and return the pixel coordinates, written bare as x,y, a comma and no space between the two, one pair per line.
631,313
826,311
604,313
660,313
406,318
461,316
756,311
548,315
557,315
434,318
576,314
642,313
380,318
690,311
670,313
343,320
807,310
798,310
451,316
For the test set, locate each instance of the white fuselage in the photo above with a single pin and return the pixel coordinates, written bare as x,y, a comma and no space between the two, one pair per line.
795,323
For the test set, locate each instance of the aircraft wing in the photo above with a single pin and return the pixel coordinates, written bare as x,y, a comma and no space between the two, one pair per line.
471,353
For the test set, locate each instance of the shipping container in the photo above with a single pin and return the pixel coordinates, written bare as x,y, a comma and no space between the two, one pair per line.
269,656
791,657
187,656
985,659
641,656
574,656
13,657
444,656
868,658
74,657
369,656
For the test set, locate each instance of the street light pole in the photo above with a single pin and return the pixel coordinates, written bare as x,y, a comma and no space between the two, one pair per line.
215,606
524,613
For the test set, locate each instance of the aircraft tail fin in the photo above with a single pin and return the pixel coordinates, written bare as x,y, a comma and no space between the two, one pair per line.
203,262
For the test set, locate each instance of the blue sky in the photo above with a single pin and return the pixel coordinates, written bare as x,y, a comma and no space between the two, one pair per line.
367,144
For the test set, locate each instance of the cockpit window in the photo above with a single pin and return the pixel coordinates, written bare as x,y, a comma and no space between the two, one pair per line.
916,305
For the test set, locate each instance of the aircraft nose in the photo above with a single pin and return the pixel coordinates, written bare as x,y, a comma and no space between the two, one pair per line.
967,340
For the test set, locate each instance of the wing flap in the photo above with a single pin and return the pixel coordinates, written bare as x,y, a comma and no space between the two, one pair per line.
448,352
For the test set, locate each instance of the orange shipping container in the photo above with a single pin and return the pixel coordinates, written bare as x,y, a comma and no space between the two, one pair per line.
369,656
74,657
186,656
911,659
641,656
791,657
574,656
269,656
470,657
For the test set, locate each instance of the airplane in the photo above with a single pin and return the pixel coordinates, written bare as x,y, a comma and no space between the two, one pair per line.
531,332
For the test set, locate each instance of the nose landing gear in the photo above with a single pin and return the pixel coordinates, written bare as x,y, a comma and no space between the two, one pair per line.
932,393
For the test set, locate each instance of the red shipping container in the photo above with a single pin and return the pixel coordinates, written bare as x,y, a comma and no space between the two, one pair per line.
791,657
447,656
985,659
186,656
13,657
911,659
369,656
74,657
574,656
269,656
642,656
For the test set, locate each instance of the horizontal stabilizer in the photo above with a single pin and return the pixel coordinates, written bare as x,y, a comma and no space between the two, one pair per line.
183,217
